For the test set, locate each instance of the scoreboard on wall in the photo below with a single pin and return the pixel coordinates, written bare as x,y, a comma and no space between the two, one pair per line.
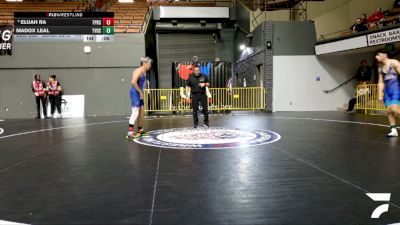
64,26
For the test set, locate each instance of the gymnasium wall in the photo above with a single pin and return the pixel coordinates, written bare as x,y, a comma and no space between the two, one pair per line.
296,70
296,87
291,69
242,16
258,17
103,76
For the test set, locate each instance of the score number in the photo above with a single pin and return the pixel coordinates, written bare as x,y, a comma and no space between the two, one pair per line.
108,26
108,30
108,21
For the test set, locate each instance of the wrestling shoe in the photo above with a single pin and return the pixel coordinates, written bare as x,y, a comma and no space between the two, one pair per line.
130,135
393,133
140,133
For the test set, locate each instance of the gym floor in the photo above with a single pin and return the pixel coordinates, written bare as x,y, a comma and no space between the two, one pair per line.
83,171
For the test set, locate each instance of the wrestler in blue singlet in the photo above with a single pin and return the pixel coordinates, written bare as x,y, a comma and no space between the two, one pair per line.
135,96
392,87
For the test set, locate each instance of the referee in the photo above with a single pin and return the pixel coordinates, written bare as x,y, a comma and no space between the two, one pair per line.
197,84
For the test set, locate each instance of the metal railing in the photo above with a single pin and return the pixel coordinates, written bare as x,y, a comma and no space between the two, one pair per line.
170,100
147,20
347,33
370,100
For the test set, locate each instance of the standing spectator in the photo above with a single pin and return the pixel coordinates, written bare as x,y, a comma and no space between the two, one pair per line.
38,88
364,72
54,91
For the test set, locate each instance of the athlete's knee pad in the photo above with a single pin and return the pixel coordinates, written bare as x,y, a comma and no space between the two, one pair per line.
134,115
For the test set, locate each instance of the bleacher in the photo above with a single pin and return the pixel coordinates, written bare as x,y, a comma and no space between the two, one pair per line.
128,17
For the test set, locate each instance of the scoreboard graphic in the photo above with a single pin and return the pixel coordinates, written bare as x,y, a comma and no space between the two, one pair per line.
64,26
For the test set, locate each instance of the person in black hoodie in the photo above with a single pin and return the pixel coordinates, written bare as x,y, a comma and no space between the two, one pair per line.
364,72
358,26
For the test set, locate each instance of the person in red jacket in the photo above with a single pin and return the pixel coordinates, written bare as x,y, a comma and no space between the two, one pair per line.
375,18
54,91
39,88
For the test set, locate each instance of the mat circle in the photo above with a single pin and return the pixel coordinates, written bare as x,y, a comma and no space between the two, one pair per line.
210,138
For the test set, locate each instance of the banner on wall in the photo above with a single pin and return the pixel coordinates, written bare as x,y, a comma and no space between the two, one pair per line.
384,37
72,106
6,40
218,73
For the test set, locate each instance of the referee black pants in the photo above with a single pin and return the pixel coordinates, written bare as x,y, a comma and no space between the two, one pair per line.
202,99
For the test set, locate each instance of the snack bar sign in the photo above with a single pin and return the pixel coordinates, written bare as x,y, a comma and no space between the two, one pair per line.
6,40
384,37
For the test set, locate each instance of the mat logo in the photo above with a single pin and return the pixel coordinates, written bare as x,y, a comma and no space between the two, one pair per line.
379,197
64,107
211,138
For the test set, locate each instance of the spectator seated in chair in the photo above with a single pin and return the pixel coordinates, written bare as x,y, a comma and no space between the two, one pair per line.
376,18
358,26
364,19
394,15
360,93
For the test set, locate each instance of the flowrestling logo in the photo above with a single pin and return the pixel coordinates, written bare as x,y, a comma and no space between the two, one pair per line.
380,197
210,138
